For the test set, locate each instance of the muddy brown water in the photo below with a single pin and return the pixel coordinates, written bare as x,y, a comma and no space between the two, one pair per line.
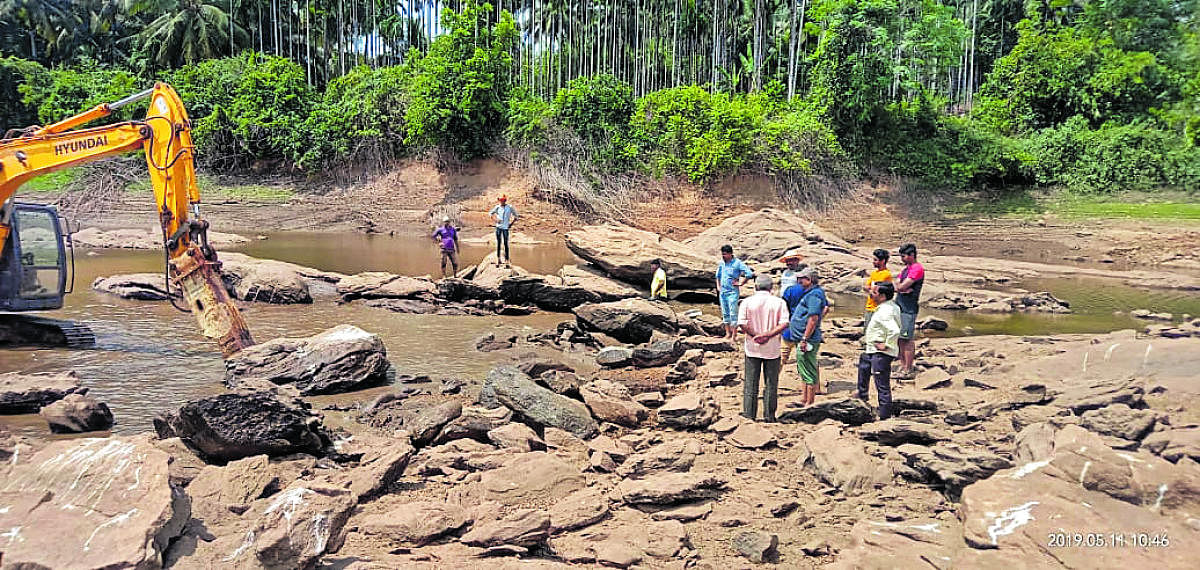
149,357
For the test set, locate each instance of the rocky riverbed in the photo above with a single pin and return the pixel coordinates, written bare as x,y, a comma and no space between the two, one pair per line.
614,439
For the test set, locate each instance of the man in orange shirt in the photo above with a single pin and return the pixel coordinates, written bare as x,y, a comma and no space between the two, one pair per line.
881,274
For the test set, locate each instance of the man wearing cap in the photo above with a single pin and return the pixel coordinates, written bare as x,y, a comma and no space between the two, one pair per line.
881,274
805,329
763,317
504,215
658,283
731,274
788,278
908,295
449,238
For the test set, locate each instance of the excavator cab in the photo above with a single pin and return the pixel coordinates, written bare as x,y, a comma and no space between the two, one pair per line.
33,265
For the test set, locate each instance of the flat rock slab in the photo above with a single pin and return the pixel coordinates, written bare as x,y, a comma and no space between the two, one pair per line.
95,503
757,546
416,523
894,431
672,455
850,411
1175,444
951,465
133,238
341,359
529,477
843,462
525,527
670,488
1119,420
382,285
135,286
579,509
291,529
27,393
751,435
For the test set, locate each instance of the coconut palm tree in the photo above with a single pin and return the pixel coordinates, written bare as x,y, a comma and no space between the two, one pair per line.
187,31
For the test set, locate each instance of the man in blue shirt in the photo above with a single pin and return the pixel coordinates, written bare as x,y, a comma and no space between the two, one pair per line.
504,215
804,328
731,274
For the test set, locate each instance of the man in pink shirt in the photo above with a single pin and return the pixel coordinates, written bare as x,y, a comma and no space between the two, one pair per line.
763,317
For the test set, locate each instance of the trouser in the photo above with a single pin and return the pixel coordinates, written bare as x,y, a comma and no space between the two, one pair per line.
806,364
449,255
502,238
768,370
879,365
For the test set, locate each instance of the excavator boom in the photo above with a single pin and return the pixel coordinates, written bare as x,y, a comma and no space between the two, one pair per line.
165,136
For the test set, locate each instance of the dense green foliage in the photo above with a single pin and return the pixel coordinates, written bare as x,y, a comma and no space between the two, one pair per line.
1094,96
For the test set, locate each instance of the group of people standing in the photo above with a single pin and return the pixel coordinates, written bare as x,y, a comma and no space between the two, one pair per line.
777,326
446,234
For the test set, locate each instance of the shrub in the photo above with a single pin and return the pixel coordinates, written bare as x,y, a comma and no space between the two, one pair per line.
15,113
360,118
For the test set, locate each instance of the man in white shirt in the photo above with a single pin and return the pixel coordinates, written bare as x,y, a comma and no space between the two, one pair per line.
880,347
763,317
788,278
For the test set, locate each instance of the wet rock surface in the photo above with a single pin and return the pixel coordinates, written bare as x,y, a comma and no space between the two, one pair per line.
28,393
340,359
77,413
136,286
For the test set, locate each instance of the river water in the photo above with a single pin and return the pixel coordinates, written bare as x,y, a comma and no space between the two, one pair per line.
149,357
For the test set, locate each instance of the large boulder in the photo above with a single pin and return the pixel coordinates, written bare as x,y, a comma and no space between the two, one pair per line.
382,285
455,289
338,360
426,425
28,393
625,253
90,503
765,235
265,280
629,320
512,388
136,286
588,278
77,413
226,427
614,357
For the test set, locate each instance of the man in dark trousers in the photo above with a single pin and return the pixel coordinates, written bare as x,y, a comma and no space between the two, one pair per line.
880,347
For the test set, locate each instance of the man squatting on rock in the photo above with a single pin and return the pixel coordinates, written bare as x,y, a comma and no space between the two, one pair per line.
763,317
880,347
731,274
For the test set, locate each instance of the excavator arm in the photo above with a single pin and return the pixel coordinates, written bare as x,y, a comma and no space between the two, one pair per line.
165,136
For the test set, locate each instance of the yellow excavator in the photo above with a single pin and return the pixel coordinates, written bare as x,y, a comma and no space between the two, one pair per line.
34,249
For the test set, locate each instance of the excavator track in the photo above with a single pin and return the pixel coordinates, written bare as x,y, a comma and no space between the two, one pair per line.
28,330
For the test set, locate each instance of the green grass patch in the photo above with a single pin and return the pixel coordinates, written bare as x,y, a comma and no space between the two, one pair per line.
52,182
1031,204
1088,207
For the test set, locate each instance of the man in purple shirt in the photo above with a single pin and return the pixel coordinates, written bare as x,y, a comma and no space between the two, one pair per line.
449,238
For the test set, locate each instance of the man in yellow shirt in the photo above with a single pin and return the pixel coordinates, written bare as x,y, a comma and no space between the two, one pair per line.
658,284
881,274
